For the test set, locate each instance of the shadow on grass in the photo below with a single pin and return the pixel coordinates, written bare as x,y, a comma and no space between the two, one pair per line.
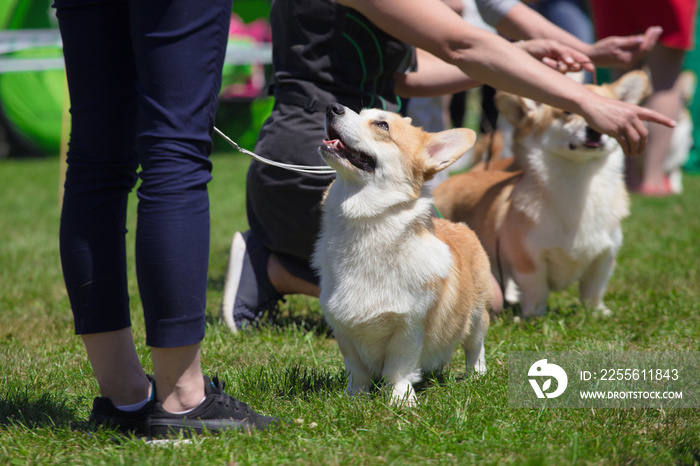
306,321
295,381
510,311
308,382
18,406
216,282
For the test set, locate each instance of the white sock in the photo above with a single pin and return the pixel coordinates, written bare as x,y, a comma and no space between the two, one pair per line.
135,406
140,404
185,412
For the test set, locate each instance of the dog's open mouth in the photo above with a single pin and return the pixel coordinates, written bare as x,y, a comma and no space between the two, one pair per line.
594,139
335,145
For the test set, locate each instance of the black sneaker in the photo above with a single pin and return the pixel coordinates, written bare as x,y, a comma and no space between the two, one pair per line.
217,412
104,413
248,292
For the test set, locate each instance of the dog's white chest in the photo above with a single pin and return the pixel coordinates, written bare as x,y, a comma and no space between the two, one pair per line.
578,221
372,269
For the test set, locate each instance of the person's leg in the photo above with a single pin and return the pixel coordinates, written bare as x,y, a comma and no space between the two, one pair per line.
179,377
283,207
101,173
287,283
179,49
664,66
497,303
117,367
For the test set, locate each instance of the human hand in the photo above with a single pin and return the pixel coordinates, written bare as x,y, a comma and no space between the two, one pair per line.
557,55
623,121
624,52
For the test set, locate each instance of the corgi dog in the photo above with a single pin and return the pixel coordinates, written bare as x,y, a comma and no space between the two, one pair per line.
557,219
399,288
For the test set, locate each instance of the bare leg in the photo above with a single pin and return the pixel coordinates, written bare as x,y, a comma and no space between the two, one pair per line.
178,376
117,367
497,303
286,283
665,65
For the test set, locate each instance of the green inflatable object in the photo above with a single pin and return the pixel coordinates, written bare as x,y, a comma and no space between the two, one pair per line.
32,101
692,62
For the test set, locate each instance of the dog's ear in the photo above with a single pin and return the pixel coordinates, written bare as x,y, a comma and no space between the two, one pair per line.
514,108
632,87
445,147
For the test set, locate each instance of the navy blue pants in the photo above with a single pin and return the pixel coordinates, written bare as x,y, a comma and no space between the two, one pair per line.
144,78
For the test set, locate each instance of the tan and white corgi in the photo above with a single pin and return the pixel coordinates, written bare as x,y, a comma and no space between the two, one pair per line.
557,221
399,287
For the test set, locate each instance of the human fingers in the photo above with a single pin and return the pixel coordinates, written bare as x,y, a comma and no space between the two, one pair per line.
571,67
616,119
644,132
635,139
557,55
632,137
651,36
580,60
554,64
572,59
624,144
646,114
614,50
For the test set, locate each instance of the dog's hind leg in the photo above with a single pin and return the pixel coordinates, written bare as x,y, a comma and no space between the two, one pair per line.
511,294
473,343
534,291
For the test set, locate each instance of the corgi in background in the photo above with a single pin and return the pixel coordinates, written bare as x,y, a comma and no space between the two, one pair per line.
553,217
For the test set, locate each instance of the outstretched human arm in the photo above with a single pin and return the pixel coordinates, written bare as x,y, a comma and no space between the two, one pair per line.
522,22
433,26
435,77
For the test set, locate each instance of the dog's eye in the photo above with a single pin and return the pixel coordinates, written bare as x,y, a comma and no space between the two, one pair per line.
382,124
566,113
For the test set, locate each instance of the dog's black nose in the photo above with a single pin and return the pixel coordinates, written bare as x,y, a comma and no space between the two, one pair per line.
334,110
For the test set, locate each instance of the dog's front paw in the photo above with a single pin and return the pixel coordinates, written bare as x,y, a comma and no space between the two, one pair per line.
402,394
479,369
356,388
603,310
511,294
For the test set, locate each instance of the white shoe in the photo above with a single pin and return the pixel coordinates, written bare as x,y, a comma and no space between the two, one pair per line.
233,279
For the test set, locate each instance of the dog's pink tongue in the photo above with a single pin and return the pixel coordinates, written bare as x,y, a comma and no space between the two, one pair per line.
334,143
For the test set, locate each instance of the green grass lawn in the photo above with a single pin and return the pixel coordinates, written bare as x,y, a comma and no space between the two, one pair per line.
295,370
